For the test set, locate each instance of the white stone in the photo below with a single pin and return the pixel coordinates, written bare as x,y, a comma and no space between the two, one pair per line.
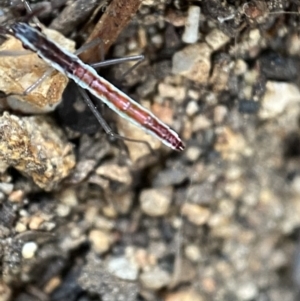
63,210
69,197
156,202
155,279
247,291
240,67
217,39
190,34
122,268
192,108
6,188
193,62
20,227
170,91
196,214
193,153
29,249
277,97
100,241
192,252
201,122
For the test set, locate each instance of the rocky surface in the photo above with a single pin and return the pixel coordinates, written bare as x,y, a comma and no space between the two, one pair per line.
219,221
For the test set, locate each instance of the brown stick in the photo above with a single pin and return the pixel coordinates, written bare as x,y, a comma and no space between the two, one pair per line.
113,21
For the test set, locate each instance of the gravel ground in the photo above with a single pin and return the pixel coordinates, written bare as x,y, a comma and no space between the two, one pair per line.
86,217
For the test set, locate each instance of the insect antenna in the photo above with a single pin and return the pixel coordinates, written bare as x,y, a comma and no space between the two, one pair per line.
32,16
45,7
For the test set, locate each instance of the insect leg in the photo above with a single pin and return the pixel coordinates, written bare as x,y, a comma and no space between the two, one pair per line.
34,85
104,124
14,52
139,58
91,44
32,14
105,63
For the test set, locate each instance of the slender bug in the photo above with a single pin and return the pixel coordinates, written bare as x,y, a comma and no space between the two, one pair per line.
87,78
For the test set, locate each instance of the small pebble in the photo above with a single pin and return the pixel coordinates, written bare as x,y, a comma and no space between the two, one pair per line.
240,67
81,171
201,122
62,210
220,112
6,188
226,207
144,259
277,67
185,295
122,268
234,189
192,252
90,214
193,153
248,106
293,45
110,212
52,284
132,45
20,227
115,172
192,108
49,226
295,185
230,143
191,30
35,222
175,17
155,279
170,176
217,39
234,172
100,241
247,291
29,250
170,91
221,74
69,197
157,40
103,223
277,97
193,62
122,204
16,196
193,94
196,214
202,193
156,202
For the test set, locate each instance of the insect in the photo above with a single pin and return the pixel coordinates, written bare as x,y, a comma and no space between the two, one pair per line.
87,78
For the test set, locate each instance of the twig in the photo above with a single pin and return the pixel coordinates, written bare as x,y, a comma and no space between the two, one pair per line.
113,21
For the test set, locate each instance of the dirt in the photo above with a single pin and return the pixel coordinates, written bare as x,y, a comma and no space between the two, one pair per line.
217,221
